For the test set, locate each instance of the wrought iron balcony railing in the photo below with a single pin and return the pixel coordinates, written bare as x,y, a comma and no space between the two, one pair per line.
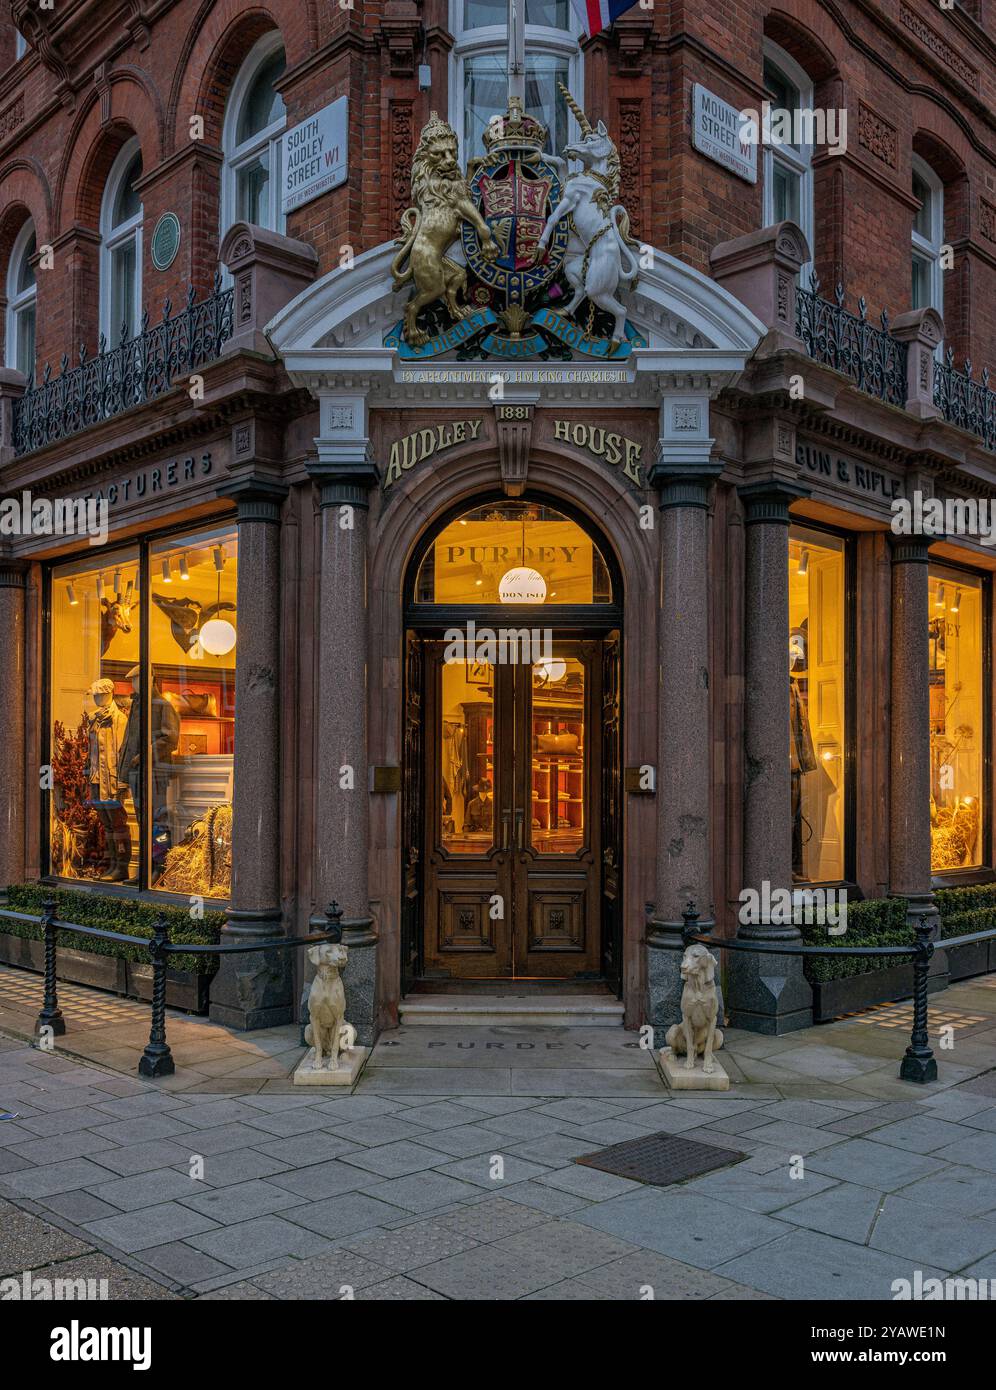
971,405
138,370
870,356
876,362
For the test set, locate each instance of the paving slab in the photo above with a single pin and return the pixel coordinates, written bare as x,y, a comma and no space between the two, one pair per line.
807,1265
240,1201
56,1177
399,1289
970,1191
251,1243
422,1192
978,1150
480,1170
846,1210
763,1192
320,1180
572,1247
396,1160
156,1225
873,1165
925,1234
488,1273
699,1230
491,1219
646,1275
146,1189
337,1217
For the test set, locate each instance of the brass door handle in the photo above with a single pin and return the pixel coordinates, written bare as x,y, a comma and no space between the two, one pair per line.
520,817
506,829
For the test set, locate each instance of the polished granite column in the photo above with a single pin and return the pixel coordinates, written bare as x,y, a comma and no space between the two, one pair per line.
255,990
13,578
909,778
684,868
345,474
767,992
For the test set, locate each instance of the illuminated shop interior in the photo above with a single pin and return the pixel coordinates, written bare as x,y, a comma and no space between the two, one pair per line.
956,719
121,777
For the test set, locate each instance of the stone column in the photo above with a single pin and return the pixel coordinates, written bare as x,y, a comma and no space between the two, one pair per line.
909,784
768,993
684,474
345,474
13,575
255,990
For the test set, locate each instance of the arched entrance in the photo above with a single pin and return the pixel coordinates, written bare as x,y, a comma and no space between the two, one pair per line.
511,796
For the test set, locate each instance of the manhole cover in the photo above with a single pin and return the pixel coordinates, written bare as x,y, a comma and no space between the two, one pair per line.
660,1159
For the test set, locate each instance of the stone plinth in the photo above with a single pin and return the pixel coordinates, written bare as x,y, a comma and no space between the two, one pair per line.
680,1077
351,1063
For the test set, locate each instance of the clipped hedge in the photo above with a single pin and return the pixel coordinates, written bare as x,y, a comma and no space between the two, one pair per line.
874,922
965,910
135,918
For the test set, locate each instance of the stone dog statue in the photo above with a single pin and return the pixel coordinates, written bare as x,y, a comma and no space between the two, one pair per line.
697,1031
328,1032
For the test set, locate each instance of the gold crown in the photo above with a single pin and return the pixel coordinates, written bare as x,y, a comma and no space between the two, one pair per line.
515,130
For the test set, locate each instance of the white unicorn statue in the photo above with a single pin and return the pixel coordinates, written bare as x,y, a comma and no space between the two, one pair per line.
600,252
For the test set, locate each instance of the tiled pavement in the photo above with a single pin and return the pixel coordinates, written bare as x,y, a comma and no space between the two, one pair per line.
450,1173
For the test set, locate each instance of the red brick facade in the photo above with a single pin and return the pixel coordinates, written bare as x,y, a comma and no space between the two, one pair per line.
911,77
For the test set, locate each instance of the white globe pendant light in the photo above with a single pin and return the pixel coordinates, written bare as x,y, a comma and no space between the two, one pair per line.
522,585
217,637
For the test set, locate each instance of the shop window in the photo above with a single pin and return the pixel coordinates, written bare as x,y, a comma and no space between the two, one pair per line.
22,297
255,119
142,755
957,719
513,553
121,248
95,718
927,280
480,56
788,173
817,705
193,636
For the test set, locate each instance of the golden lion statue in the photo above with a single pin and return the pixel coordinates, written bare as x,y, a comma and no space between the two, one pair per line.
442,201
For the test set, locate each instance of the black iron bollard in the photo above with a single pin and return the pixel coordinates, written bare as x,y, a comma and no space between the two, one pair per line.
334,914
50,1019
919,1064
690,924
157,1060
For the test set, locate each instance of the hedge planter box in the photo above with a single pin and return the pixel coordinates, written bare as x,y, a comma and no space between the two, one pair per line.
974,959
831,998
183,990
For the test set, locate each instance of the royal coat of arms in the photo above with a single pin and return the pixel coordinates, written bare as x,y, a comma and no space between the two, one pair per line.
519,259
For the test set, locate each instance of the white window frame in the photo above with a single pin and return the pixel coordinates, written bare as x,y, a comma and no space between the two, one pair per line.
929,249
18,302
798,162
112,238
269,140
493,38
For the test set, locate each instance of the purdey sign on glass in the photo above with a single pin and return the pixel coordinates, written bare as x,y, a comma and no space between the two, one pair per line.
717,133
315,155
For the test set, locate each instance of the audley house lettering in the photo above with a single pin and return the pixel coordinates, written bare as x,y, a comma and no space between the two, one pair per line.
422,444
615,449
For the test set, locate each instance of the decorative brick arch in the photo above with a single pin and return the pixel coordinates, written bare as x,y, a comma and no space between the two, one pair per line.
100,129
220,37
810,42
24,194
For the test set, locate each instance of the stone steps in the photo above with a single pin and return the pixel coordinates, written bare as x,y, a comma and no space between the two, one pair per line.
533,1010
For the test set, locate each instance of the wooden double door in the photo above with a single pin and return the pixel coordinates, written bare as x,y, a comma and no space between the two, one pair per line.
517,870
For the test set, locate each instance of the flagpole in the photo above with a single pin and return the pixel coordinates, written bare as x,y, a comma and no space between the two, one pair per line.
517,50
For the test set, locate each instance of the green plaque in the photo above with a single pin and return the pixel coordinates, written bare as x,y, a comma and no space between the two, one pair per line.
166,241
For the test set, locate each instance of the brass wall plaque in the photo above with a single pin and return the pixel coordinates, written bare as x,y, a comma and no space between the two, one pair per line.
387,779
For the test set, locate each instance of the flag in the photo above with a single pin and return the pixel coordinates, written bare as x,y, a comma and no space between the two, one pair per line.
596,15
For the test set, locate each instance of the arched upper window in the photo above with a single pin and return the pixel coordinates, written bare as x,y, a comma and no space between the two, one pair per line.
788,172
513,553
255,119
121,247
20,45
479,89
22,294
928,238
